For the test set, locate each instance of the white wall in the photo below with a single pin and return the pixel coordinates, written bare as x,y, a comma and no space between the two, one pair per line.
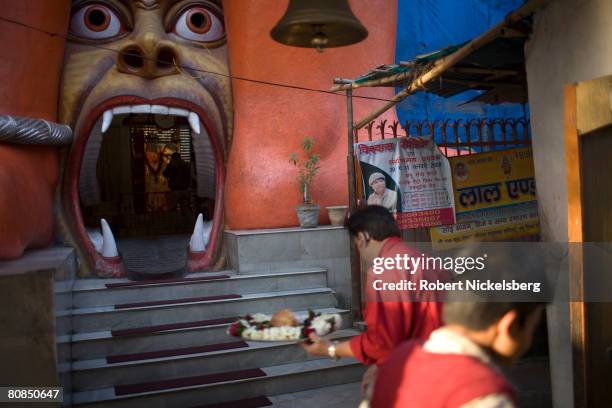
571,42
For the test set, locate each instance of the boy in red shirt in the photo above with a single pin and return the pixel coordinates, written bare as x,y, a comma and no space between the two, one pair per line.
456,366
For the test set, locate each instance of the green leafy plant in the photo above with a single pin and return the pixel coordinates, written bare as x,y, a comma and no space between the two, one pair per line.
308,167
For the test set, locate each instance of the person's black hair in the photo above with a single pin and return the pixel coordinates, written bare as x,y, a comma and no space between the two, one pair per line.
175,155
376,220
480,315
477,310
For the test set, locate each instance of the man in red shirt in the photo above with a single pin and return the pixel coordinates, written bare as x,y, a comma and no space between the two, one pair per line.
456,366
390,315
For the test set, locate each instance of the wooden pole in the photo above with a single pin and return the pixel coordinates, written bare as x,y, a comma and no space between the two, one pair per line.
578,313
441,64
353,256
351,152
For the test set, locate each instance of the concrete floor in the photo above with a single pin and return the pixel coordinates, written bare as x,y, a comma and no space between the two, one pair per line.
338,396
530,376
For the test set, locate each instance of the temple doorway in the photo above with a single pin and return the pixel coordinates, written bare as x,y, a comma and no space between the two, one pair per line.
146,186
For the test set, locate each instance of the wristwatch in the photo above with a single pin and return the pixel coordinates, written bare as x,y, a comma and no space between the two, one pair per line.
331,351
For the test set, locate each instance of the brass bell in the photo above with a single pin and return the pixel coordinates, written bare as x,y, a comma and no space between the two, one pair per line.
318,24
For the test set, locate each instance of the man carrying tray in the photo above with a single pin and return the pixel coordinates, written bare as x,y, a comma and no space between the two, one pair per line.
391,316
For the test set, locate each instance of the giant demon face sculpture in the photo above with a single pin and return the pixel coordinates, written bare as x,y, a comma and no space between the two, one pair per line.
130,61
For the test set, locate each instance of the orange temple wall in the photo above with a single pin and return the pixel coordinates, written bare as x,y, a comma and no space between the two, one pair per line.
30,76
270,122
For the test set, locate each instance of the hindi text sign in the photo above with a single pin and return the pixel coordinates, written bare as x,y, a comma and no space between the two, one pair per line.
495,195
410,177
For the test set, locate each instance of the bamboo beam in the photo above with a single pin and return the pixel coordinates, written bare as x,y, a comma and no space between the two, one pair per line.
390,80
514,33
445,63
477,84
342,81
488,71
372,82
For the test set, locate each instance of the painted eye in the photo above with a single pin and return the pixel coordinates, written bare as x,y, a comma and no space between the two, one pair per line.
95,22
199,24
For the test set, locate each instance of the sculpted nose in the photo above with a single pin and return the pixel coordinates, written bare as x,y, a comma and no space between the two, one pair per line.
148,60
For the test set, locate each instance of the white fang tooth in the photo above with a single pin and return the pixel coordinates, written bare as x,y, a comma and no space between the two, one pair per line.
206,232
107,119
159,109
109,246
96,239
196,243
178,112
194,122
121,109
141,109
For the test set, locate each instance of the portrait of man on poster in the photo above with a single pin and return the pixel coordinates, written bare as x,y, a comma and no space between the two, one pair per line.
382,195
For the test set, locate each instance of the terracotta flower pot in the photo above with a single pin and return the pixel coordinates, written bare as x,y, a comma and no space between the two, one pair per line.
308,214
337,214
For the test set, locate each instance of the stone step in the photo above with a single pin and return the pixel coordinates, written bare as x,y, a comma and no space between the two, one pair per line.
231,355
64,348
228,386
322,247
286,247
63,322
125,316
63,300
108,292
187,334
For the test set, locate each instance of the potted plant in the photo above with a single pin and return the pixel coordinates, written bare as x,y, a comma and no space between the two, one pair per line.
307,212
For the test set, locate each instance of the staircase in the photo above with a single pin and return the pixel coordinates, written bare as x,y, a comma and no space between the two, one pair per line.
164,343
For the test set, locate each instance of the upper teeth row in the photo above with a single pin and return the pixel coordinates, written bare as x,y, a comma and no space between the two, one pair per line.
194,120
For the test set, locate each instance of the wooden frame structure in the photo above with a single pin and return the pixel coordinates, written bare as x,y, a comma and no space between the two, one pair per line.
575,234
587,116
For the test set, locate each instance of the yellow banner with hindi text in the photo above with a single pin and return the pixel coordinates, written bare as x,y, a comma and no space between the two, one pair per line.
493,179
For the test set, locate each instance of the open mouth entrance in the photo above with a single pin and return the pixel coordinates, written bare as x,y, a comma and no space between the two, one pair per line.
145,178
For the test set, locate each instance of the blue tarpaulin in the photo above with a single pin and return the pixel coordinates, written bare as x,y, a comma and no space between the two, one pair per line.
426,26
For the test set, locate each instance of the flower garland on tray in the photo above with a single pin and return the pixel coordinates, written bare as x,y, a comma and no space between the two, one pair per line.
283,326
